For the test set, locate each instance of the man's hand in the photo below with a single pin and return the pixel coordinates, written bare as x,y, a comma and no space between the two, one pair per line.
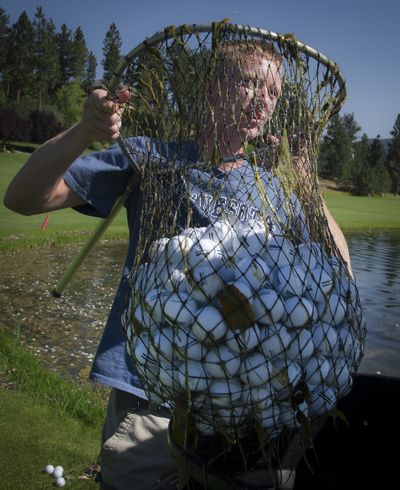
101,120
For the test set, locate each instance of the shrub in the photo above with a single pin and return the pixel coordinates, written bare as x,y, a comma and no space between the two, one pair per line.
44,125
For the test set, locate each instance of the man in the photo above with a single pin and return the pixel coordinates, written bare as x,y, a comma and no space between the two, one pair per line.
247,86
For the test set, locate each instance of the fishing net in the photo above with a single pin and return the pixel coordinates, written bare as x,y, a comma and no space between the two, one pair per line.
242,318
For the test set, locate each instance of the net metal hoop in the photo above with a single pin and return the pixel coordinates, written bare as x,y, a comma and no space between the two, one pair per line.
172,31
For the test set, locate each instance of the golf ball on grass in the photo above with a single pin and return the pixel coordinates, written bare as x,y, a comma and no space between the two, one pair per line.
49,469
58,471
60,481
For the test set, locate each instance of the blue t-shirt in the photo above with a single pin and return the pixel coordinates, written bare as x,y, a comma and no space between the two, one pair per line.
100,178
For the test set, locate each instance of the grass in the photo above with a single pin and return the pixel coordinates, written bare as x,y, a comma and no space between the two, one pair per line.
363,213
44,419
64,225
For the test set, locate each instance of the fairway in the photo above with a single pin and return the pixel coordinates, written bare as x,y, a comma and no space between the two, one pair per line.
351,212
64,225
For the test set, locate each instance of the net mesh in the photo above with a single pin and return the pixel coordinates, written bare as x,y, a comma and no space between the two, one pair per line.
242,316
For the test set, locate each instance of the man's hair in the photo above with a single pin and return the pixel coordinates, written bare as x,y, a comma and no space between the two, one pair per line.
235,50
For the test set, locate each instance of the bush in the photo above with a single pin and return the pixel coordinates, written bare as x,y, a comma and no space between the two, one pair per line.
9,121
44,125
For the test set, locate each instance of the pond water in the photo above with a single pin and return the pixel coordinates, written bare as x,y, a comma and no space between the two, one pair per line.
64,332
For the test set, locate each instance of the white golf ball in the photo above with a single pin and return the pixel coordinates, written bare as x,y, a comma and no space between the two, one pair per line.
275,341
49,469
290,281
267,307
174,281
310,254
252,270
319,284
323,399
203,283
287,416
192,376
205,252
221,363
168,376
60,481
227,271
255,370
188,346
346,341
58,471
325,338
258,396
285,376
225,393
177,248
142,354
220,233
335,310
281,252
180,309
241,342
154,303
299,311
161,345
250,240
270,417
302,346
157,249
317,370
209,325
340,378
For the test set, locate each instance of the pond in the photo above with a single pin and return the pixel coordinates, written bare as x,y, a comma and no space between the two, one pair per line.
64,332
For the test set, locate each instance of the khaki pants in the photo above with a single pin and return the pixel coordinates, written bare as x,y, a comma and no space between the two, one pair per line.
135,453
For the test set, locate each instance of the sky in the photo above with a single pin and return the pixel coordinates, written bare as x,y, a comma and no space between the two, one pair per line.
361,36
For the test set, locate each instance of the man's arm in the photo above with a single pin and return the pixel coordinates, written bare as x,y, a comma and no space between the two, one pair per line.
39,186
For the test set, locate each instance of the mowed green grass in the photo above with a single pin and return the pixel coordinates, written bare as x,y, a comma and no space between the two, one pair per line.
351,212
364,213
66,224
44,419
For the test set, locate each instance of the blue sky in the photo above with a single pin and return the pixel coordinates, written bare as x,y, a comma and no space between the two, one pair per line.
362,36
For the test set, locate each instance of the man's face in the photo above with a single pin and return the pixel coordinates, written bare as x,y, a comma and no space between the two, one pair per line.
245,97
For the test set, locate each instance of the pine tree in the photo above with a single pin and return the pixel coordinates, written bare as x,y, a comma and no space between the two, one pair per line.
20,57
46,67
79,54
111,52
336,152
64,47
4,35
360,173
379,179
393,159
90,71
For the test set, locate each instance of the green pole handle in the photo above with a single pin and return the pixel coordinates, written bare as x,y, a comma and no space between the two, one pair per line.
93,239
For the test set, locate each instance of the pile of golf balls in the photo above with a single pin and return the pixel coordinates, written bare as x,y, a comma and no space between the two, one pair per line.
57,473
298,322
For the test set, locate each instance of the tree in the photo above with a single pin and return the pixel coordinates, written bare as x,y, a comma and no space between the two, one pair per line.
64,48
393,158
4,33
46,66
79,55
20,57
336,151
111,52
379,180
69,100
90,71
360,174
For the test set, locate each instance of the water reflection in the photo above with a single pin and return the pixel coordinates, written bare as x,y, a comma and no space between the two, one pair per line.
376,263
64,332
